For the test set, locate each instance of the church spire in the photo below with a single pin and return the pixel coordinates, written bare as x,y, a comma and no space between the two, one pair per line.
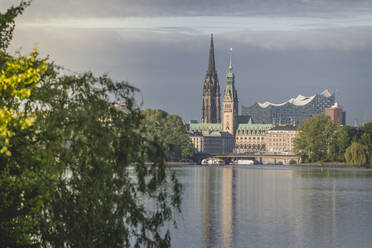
211,65
211,91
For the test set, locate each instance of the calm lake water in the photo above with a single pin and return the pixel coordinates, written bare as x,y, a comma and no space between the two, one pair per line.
273,206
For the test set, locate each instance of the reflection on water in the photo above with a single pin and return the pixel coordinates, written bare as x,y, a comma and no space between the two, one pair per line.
274,207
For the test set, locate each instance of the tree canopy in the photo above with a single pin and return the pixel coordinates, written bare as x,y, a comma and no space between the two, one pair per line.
72,167
320,139
171,132
316,137
357,154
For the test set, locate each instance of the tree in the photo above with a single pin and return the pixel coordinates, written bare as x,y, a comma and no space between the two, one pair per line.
357,154
354,133
367,127
171,132
23,186
73,173
316,136
340,142
7,24
106,196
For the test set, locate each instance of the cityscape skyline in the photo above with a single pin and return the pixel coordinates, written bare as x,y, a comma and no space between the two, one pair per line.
280,50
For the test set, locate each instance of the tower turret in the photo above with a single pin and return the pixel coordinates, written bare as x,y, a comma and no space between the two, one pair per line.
230,102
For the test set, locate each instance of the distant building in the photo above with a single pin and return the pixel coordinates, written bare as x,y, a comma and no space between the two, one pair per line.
336,114
212,142
197,140
252,131
251,137
291,112
280,138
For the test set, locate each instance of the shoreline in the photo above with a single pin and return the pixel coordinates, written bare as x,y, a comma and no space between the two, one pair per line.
174,163
314,164
329,164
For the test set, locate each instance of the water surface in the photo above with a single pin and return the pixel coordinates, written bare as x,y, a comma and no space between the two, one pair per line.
274,206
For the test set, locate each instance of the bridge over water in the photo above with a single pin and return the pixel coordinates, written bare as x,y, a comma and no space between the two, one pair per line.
262,157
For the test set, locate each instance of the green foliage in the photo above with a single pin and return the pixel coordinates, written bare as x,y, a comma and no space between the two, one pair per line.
367,127
171,132
315,137
77,176
25,185
354,133
366,139
338,144
7,24
319,139
103,196
357,154
18,77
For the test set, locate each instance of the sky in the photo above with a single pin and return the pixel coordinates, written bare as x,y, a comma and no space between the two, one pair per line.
281,48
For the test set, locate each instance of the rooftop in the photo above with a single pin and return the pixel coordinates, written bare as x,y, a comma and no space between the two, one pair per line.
283,128
253,126
300,100
205,127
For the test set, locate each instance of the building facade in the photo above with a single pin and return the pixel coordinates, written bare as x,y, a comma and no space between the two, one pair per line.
197,141
291,112
280,139
212,142
336,114
211,91
251,137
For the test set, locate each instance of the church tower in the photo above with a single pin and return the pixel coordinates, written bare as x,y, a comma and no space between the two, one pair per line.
230,102
211,92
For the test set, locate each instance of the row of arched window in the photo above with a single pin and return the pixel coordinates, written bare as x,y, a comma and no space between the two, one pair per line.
251,132
248,146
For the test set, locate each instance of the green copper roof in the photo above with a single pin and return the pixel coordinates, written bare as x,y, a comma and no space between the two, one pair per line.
205,127
251,126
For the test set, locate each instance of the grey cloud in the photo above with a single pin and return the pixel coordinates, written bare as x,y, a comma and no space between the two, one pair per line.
49,9
346,39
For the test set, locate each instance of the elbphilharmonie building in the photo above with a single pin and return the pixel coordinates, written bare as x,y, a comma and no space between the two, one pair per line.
292,111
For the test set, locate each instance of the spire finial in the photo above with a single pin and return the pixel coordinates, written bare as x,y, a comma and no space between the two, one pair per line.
230,73
230,66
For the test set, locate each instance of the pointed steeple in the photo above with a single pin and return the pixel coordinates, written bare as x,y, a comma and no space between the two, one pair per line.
230,90
211,91
211,64
230,73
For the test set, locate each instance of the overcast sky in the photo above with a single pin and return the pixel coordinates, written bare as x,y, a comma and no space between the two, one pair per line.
281,48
